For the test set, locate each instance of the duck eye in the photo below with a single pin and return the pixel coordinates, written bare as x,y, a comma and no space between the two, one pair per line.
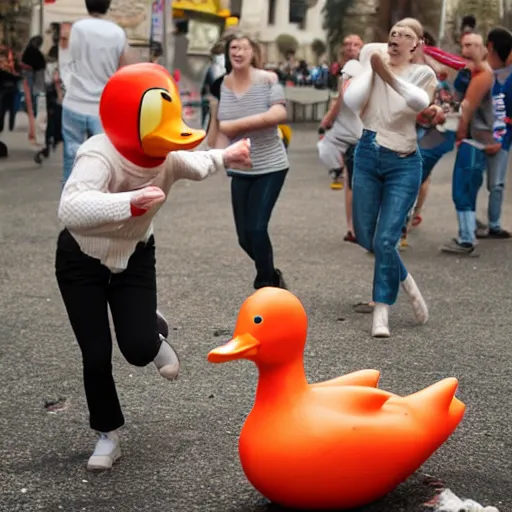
165,96
258,319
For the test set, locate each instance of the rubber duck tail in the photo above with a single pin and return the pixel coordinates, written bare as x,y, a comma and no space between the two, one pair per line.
439,397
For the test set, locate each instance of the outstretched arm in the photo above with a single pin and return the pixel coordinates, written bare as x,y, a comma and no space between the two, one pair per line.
195,165
198,165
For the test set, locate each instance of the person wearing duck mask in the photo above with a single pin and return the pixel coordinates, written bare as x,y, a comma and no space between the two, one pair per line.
388,95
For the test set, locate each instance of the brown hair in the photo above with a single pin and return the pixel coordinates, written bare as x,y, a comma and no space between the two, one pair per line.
258,57
413,24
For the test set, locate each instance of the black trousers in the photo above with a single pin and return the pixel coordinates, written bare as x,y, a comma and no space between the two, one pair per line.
253,199
88,288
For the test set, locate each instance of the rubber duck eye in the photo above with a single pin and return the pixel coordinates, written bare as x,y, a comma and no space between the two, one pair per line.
165,96
258,319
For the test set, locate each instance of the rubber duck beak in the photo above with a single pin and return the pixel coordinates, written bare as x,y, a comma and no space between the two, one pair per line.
240,347
161,127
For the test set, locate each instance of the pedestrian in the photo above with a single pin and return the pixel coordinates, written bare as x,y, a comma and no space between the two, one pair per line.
97,48
252,104
388,95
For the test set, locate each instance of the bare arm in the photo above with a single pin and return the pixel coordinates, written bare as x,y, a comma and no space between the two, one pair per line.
128,56
478,87
334,109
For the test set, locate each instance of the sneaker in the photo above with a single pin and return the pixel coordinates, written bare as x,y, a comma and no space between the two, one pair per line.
419,306
455,247
167,360
162,324
498,233
380,327
106,452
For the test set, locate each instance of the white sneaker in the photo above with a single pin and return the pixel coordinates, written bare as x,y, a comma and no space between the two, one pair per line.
380,328
167,360
106,452
419,306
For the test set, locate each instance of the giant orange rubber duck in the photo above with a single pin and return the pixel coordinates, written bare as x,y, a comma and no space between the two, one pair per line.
333,445
140,110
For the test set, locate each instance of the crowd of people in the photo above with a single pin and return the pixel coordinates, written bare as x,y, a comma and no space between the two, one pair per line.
395,117
397,113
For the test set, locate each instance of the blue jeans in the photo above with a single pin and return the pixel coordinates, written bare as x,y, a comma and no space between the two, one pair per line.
497,166
253,199
385,186
431,156
76,128
468,174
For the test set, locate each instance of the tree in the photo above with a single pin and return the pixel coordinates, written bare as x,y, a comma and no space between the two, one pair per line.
286,44
318,47
334,12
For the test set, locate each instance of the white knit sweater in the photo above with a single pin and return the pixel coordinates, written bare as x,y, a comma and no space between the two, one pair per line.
95,202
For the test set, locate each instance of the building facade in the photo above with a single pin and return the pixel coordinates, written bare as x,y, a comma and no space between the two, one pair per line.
268,19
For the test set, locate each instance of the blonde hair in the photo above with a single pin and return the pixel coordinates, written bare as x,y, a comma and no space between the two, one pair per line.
412,24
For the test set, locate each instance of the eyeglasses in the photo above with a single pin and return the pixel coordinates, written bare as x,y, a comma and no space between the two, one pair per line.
400,35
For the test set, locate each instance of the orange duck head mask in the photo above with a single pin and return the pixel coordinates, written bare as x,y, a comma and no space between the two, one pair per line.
270,331
140,110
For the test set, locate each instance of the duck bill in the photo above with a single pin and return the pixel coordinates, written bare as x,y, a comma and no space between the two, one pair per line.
240,347
171,137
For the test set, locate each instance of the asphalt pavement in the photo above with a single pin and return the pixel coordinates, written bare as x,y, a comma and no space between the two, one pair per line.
180,440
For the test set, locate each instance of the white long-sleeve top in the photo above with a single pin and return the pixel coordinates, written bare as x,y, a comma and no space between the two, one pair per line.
95,202
388,112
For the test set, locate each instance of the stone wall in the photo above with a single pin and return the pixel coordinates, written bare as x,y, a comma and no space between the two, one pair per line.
134,16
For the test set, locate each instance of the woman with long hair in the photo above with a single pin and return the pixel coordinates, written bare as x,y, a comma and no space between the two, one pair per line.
388,95
252,105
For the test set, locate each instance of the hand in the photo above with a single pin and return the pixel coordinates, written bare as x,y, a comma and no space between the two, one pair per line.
462,131
492,149
228,128
145,199
433,115
32,130
238,155
381,68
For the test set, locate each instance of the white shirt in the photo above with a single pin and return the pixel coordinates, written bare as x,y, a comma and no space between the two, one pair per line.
95,48
391,114
64,66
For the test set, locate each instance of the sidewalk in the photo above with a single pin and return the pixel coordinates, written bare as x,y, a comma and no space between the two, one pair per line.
21,150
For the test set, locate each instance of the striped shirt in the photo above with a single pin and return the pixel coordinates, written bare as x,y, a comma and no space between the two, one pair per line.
268,153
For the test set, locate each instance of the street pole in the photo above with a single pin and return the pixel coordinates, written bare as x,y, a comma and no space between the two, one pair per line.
167,35
41,18
442,22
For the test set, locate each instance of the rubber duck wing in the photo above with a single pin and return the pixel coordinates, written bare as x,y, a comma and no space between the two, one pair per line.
369,378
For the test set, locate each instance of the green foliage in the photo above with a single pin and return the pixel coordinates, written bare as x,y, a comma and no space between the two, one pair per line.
334,12
286,43
318,47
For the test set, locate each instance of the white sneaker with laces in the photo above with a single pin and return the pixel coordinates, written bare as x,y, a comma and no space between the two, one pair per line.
106,452
167,360
380,328
419,306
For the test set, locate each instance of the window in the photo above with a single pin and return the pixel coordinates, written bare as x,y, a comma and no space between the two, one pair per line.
236,8
272,12
298,10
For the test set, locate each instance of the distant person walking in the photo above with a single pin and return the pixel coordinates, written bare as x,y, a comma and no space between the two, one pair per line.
97,48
